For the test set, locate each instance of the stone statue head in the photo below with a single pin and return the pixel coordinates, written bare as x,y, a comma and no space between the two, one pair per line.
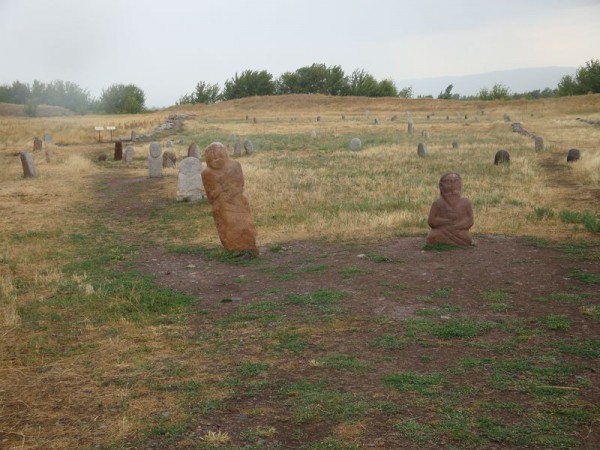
216,155
451,187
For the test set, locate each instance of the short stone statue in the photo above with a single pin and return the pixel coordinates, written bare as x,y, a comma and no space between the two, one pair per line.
450,216
224,186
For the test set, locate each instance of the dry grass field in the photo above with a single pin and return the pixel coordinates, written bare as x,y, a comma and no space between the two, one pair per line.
96,353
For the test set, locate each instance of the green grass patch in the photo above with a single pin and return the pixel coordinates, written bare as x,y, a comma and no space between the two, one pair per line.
441,247
442,292
344,362
389,342
496,296
591,311
290,341
252,369
313,402
423,384
584,348
589,220
379,258
555,322
585,277
541,213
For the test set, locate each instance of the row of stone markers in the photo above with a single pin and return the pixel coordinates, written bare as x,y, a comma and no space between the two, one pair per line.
572,155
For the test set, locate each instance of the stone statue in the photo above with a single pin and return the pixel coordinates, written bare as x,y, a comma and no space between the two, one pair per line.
224,185
451,215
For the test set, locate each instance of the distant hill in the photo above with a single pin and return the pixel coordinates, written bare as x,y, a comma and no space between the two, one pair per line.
10,109
517,81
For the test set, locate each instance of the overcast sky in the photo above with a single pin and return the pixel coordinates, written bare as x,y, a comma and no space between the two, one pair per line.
166,46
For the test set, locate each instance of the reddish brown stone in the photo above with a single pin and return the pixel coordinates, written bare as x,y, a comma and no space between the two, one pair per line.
451,216
224,185
37,143
118,151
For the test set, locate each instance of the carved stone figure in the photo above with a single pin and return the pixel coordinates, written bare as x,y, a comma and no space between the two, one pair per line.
450,216
224,186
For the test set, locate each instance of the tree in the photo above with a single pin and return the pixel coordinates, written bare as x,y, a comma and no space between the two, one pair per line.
386,88
567,86
248,84
406,92
16,93
123,99
588,77
498,92
336,81
314,79
204,93
447,94
363,84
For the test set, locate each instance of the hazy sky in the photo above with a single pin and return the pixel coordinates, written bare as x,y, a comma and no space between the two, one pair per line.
165,47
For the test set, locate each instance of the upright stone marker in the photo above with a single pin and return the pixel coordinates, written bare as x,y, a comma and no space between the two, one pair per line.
118,151
128,155
248,147
47,138
169,159
155,160
28,164
539,144
410,128
37,143
355,144
193,151
102,157
422,150
189,182
237,149
455,144
573,155
501,157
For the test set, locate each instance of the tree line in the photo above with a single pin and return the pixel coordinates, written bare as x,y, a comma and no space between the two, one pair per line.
116,99
320,79
314,79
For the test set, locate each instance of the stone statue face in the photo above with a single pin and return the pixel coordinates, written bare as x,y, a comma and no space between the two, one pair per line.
451,187
216,158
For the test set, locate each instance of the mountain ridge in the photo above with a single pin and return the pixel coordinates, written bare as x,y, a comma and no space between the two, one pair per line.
516,80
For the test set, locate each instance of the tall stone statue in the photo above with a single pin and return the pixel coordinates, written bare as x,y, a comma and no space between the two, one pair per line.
451,216
224,185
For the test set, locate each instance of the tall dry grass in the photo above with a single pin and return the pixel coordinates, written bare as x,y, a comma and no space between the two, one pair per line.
18,132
